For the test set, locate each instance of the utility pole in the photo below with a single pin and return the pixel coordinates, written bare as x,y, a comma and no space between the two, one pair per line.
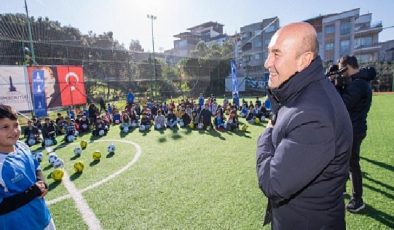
33,56
152,17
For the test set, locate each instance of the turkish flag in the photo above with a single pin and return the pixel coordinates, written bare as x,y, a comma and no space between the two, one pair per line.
72,85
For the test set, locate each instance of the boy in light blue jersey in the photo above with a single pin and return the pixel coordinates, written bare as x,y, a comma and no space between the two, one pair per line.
22,186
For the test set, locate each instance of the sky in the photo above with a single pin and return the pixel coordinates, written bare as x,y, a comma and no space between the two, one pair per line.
127,19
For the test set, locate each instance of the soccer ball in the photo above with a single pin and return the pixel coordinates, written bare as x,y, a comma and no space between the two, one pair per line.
225,125
134,124
52,158
31,142
57,174
70,138
59,163
39,156
83,144
77,151
200,125
76,133
84,126
142,128
49,150
78,166
101,132
48,142
158,126
125,129
181,123
96,155
111,148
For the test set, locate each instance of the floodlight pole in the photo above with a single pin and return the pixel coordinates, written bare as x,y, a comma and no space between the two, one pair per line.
152,17
33,56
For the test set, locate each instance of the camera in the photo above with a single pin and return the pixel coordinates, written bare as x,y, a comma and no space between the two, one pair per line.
334,72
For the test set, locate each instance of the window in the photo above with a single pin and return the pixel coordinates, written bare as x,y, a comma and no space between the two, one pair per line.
329,29
267,42
345,47
345,28
246,58
180,44
271,28
363,58
363,42
329,46
258,43
257,57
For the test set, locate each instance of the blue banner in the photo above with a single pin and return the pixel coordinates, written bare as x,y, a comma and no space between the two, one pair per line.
234,81
39,99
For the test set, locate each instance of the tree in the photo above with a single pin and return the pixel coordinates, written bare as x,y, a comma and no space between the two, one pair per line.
135,46
200,50
206,70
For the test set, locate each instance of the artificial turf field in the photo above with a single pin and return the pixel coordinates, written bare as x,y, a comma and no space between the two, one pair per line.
189,179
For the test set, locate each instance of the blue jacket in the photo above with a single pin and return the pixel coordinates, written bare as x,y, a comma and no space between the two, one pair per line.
303,160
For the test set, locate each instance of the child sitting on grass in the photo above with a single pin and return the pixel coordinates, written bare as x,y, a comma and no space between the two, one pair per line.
232,122
70,129
31,133
172,120
160,121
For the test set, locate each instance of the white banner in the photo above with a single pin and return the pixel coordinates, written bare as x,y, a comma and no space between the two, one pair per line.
15,88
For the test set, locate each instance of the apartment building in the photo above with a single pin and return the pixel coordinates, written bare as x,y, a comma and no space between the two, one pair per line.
209,32
347,33
251,50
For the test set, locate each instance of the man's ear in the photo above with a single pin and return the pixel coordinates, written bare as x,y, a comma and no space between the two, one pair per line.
305,60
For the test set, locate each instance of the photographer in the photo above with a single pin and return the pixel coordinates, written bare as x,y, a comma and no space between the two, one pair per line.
335,75
357,95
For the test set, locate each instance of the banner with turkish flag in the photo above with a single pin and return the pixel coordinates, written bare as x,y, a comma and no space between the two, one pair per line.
72,85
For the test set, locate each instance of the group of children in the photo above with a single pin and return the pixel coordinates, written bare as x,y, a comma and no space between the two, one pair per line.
205,114
70,127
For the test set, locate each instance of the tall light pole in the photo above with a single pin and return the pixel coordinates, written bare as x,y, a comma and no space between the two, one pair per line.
152,17
33,56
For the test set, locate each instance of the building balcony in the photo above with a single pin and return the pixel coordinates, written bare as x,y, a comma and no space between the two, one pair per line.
365,48
374,29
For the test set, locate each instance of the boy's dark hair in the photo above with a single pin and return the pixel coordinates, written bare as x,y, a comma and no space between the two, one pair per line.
349,60
7,111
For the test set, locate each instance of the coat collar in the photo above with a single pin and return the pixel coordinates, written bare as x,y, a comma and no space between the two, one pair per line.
296,83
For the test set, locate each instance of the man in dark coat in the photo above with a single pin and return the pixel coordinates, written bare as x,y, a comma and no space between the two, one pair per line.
357,96
303,154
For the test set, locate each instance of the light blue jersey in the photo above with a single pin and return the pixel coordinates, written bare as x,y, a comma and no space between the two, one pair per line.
17,174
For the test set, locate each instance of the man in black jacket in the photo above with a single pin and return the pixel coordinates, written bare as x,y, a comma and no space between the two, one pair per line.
303,154
357,96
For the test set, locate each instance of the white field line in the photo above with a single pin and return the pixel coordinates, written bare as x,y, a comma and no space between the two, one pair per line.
87,214
108,178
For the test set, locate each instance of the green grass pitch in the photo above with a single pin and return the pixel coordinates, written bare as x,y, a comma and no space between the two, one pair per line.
205,180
